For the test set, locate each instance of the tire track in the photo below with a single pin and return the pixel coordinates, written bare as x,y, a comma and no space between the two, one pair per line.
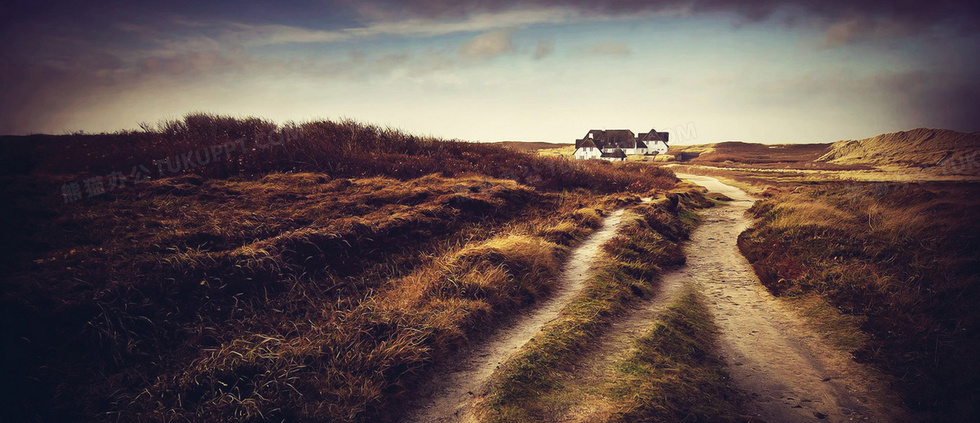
790,373
449,395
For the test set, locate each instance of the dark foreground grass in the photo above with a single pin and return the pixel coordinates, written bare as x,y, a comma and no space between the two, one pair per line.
648,240
903,260
310,274
222,147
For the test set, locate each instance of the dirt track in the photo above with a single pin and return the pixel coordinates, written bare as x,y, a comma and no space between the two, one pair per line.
790,373
449,396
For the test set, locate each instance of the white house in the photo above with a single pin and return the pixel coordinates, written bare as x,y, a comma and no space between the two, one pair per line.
656,142
586,149
616,145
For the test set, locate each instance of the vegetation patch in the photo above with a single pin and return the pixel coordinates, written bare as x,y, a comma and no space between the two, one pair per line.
649,238
902,259
674,373
312,274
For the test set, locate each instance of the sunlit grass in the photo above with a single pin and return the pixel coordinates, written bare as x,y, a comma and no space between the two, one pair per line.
902,259
313,280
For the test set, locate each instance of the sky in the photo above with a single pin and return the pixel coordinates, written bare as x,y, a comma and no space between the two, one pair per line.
499,70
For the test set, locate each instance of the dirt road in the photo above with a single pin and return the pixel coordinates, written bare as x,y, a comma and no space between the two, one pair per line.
448,397
790,373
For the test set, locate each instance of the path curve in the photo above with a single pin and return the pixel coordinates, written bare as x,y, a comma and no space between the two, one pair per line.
789,372
449,396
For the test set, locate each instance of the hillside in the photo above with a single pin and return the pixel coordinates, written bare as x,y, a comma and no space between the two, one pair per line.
934,150
740,154
221,269
531,145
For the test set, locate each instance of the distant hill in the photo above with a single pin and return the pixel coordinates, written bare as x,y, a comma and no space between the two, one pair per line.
743,153
531,146
934,150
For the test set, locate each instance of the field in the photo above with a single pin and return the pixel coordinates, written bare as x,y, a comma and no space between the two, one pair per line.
896,260
874,241
225,269
902,258
303,272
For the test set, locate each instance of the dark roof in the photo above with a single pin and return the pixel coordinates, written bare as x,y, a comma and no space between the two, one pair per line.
617,153
620,136
584,143
614,138
653,135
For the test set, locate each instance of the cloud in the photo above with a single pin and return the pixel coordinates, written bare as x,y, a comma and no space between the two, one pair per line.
489,44
406,27
610,48
935,98
846,20
58,53
940,99
853,30
544,49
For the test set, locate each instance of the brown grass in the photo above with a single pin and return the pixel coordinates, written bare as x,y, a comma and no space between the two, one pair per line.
532,145
647,240
939,151
674,373
254,147
900,257
314,280
769,156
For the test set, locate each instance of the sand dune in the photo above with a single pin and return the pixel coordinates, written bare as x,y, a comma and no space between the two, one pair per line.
934,150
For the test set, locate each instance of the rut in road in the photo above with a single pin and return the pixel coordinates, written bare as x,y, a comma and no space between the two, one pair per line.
790,373
449,396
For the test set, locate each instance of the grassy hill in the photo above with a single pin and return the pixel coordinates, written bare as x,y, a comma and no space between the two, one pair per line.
222,269
743,154
934,150
532,146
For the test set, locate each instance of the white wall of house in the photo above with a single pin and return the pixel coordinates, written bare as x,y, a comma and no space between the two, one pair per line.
633,151
586,153
656,147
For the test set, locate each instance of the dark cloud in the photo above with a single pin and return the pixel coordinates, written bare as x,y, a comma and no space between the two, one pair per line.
938,99
37,98
912,15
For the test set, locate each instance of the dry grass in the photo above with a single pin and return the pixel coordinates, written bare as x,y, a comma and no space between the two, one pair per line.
769,156
674,373
902,259
647,240
314,280
937,151
533,146
253,147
